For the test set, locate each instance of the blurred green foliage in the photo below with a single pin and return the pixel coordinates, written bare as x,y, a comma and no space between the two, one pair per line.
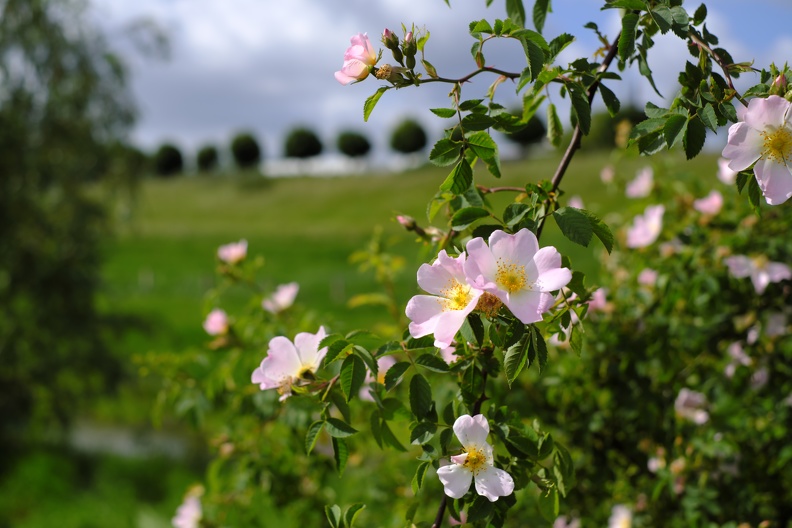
246,150
353,144
168,160
408,137
302,143
207,158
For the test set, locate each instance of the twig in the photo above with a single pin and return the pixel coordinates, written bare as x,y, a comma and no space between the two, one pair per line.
574,143
489,190
717,58
466,78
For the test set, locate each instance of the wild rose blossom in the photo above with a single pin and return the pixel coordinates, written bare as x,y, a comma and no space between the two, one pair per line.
444,311
690,406
233,252
760,269
449,354
576,202
646,228
475,464
359,60
647,277
566,522
189,513
621,517
764,136
514,269
216,322
607,174
287,363
282,298
710,204
725,174
642,185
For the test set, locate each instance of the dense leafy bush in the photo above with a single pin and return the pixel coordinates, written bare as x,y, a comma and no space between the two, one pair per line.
408,137
246,150
168,160
207,158
302,143
353,144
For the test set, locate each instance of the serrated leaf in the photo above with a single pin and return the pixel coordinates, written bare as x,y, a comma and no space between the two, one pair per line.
601,230
422,433
514,212
728,111
477,122
627,37
389,438
514,360
372,101
338,428
312,435
548,504
485,148
700,15
576,339
754,193
663,18
516,12
353,373
652,110
460,178
534,56
340,454
480,26
555,130
540,10
351,513
445,152
674,129
336,349
574,225
420,396
612,102
480,509
742,179
333,514
470,104
432,362
558,44
464,217
708,117
580,106
418,478
395,373
443,112
694,138
639,5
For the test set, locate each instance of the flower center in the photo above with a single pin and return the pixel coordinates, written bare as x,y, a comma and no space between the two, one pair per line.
476,460
778,145
510,276
457,296
488,304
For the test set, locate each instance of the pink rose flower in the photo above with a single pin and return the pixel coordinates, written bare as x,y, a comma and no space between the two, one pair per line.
646,228
647,277
760,269
189,513
690,406
516,271
359,60
598,301
709,205
621,517
282,298
233,252
287,363
764,136
725,174
216,323
607,174
444,311
576,202
642,185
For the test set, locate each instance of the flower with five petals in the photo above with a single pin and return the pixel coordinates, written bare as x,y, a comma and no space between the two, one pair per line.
289,363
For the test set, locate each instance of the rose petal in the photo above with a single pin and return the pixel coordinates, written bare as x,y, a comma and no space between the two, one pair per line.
472,430
492,483
456,480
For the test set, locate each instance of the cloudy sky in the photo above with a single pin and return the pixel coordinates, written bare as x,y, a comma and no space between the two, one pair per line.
267,65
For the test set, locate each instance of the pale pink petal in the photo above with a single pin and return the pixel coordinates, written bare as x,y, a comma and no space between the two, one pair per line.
282,361
725,174
709,205
740,266
767,112
472,430
480,266
760,280
343,78
492,483
547,258
260,377
553,279
307,347
456,480
448,324
518,248
434,278
642,185
775,180
528,306
423,311
744,146
776,271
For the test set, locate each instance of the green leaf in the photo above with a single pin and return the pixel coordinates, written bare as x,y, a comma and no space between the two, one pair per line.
514,360
480,509
445,152
548,504
540,10
576,339
432,362
652,110
351,514
464,217
754,193
338,428
353,373
333,514
534,56
477,121
389,438
558,44
470,104
627,37
340,454
372,101
443,112
480,26
337,348
601,230
639,5
612,102
700,15
460,178
395,373
694,138
420,396
516,11
708,117
485,148
674,129
312,435
742,179
555,130
514,212
418,478
663,18
580,106
541,348
574,225
422,433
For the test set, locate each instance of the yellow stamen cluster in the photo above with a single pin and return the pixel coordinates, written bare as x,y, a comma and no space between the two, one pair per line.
778,145
489,305
456,296
384,72
476,460
510,276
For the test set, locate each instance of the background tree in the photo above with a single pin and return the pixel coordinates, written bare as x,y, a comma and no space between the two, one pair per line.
302,143
531,134
408,137
604,128
207,158
353,144
246,150
168,160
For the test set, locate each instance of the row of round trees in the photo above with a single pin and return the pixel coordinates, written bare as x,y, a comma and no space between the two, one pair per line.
302,143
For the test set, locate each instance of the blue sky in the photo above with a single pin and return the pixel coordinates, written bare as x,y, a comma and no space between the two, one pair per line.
267,65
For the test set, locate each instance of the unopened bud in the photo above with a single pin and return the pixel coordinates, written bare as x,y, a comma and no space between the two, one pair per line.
390,40
407,221
410,48
780,82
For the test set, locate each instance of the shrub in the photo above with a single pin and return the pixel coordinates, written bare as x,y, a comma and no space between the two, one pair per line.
408,137
207,158
302,143
246,150
353,144
168,160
